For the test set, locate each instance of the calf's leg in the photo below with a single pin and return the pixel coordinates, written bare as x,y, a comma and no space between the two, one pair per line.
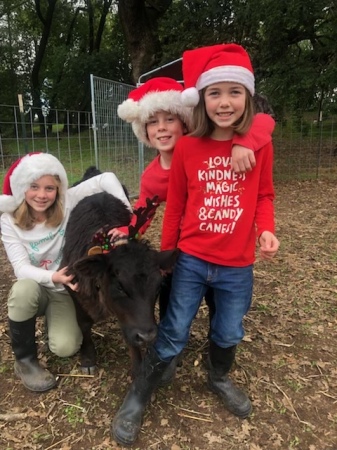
88,351
136,360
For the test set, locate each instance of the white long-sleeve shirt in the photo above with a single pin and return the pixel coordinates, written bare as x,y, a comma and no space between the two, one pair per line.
36,254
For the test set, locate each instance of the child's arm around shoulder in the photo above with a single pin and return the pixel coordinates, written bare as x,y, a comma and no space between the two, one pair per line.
147,191
244,146
106,182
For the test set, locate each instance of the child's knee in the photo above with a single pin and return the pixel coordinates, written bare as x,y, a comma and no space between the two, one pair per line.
65,346
23,300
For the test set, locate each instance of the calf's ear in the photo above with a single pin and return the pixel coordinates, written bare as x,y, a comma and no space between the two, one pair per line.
91,266
167,259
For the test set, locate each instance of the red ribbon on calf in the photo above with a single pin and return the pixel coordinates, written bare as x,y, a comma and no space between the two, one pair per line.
101,242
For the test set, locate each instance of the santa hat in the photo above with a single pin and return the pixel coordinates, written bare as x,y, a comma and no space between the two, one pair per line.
157,94
214,64
25,171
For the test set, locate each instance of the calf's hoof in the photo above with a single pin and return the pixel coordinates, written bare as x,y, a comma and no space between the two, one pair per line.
89,370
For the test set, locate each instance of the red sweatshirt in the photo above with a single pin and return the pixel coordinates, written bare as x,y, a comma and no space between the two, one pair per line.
222,211
155,179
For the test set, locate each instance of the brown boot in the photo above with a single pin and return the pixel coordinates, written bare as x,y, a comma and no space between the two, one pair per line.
27,367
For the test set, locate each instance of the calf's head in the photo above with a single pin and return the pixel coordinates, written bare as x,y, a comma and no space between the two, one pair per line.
125,282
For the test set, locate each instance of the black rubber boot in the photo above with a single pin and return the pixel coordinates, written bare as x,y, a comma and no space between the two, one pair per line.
170,371
26,366
220,362
128,420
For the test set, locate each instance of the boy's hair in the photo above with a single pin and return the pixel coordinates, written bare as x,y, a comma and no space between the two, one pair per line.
203,126
23,214
262,105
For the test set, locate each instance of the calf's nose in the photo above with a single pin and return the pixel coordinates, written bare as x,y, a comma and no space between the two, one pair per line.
144,338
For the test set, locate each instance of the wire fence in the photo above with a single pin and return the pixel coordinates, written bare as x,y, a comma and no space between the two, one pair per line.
115,143
304,150
67,135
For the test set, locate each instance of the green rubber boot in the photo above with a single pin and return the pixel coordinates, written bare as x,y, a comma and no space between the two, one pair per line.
26,366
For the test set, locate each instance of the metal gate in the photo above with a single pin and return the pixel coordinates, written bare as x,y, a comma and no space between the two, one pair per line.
116,147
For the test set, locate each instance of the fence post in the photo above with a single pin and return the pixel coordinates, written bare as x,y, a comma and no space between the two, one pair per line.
94,125
23,122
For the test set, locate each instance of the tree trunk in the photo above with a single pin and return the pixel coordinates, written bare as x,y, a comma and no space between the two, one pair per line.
46,22
139,20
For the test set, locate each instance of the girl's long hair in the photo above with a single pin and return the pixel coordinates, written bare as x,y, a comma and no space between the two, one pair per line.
24,218
204,127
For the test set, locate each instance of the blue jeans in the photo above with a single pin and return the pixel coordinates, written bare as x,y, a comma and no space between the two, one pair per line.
232,287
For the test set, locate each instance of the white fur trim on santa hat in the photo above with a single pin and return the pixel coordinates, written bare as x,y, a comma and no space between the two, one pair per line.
31,168
8,203
138,113
234,74
190,97
128,110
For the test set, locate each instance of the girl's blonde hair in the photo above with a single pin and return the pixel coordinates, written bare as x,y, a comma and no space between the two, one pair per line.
203,126
23,214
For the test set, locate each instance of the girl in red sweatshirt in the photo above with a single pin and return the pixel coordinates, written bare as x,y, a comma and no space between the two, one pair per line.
159,119
214,216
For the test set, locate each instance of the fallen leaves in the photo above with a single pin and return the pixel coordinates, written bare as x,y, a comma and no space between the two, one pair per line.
286,362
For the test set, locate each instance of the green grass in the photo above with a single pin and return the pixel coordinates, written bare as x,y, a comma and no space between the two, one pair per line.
74,413
77,153
4,368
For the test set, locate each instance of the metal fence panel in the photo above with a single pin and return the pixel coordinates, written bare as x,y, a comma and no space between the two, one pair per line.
116,145
304,150
65,134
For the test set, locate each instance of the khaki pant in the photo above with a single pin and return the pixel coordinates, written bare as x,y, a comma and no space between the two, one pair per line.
29,299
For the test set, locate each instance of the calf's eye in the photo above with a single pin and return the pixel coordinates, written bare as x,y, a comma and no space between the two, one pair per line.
119,287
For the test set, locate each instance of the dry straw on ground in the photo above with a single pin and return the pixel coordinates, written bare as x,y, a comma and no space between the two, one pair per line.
287,361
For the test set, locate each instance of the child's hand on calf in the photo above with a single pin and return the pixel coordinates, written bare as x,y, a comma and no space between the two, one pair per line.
116,233
62,276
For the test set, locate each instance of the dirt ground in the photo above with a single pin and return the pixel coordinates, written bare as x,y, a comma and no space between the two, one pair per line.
287,361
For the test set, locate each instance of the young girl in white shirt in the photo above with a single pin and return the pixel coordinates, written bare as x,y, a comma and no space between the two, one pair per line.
36,206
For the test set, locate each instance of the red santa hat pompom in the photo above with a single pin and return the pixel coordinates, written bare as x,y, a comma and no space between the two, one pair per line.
157,94
25,171
214,64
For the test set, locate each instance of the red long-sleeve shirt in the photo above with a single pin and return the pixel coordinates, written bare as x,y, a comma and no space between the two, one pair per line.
211,212
155,179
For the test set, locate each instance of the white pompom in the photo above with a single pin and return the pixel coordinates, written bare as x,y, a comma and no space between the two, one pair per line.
8,203
128,110
190,97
